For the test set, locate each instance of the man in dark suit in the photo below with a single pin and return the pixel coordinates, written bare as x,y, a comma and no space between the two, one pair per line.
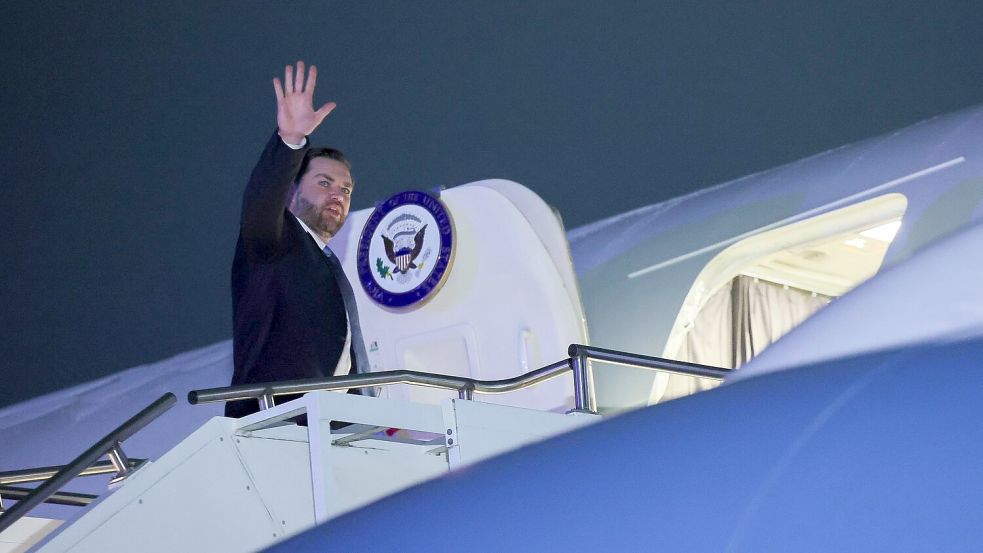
289,314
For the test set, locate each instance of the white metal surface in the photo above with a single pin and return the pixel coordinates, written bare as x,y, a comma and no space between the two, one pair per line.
184,501
355,474
482,430
239,485
25,533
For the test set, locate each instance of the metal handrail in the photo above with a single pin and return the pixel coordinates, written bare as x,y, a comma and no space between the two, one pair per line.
40,474
70,499
640,361
109,443
577,363
580,355
464,386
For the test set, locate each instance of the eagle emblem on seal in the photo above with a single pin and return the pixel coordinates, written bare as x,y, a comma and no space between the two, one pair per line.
401,251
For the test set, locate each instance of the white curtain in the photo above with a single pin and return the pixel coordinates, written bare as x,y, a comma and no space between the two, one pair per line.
738,322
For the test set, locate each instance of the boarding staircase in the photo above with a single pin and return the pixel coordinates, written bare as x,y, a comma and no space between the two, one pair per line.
243,484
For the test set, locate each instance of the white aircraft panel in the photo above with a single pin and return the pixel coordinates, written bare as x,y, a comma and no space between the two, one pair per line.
509,303
476,430
26,532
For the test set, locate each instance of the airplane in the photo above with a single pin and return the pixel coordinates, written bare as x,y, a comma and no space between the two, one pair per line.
854,432
860,253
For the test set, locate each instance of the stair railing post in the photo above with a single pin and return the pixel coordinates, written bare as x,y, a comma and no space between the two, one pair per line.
120,462
583,388
266,401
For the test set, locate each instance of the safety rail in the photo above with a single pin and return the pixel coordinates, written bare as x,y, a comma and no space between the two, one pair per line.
71,499
110,445
578,364
41,474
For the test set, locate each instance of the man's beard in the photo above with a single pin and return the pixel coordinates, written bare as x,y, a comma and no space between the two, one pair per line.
320,219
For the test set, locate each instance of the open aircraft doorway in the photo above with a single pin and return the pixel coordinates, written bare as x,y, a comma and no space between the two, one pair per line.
758,289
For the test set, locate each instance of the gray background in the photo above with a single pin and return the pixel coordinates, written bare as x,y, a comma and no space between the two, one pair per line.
129,129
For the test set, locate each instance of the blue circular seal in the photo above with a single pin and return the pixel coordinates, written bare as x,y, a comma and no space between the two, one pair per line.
405,249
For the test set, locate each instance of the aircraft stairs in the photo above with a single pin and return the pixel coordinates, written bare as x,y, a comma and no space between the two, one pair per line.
244,484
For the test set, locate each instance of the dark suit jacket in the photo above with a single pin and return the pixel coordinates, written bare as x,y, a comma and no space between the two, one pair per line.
288,312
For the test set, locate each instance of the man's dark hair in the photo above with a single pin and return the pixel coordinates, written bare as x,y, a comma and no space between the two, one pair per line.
322,152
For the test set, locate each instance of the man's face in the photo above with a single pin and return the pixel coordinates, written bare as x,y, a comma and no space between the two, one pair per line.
323,196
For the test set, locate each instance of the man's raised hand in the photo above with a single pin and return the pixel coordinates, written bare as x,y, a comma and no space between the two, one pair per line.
295,114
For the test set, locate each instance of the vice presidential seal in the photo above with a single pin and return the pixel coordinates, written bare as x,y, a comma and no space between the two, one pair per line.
405,249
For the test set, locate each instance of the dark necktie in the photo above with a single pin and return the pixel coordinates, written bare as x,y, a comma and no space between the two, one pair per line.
361,359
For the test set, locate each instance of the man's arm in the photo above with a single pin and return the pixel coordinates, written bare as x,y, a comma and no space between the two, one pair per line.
268,191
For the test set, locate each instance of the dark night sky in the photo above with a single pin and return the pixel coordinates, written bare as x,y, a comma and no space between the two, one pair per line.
129,129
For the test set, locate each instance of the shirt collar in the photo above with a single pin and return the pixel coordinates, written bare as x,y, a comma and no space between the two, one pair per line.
320,243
